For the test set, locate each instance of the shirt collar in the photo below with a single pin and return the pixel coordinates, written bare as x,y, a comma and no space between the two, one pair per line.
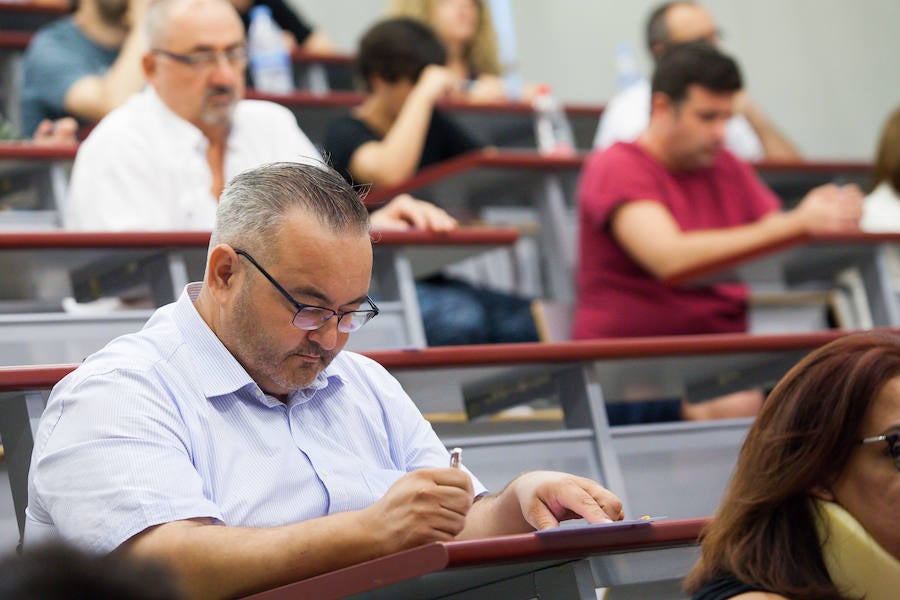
176,127
219,373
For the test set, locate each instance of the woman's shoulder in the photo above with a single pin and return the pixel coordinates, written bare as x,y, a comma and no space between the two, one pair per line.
729,587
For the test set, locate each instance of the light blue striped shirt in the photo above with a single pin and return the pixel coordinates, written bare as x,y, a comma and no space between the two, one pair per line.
165,424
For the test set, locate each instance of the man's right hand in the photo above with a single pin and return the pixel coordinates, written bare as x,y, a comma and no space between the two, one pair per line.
427,505
831,209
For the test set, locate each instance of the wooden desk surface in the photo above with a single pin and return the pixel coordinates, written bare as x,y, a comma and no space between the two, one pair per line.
55,240
15,40
528,547
46,376
591,350
814,244
480,163
26,151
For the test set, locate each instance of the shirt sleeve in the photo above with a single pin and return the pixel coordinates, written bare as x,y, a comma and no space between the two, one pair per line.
342,138
624,117
112,458
295,144
611,178
115,185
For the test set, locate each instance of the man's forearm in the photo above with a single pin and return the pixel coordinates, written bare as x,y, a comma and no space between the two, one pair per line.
215,561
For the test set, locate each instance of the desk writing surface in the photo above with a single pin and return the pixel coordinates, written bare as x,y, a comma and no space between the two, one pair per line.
42,260
797,257
503,124
461,562
46,376
468,182
792,180
29,16
15,40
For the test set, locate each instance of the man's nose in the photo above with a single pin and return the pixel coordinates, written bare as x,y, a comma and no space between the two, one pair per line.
326,335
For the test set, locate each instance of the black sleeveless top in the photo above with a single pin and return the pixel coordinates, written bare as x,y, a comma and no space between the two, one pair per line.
723,588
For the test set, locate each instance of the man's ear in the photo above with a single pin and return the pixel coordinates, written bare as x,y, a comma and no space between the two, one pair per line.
822,493
148,63
660,103
221,270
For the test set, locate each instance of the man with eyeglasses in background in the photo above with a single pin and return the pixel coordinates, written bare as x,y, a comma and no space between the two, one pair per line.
750,134
83,66
235,441
160,161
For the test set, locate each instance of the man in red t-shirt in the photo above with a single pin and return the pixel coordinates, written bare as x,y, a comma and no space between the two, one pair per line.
676,199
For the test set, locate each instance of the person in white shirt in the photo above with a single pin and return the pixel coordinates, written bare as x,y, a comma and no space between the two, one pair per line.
160,161
750,135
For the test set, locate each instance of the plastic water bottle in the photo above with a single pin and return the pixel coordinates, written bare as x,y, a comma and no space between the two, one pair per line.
270,63
551,127
627,65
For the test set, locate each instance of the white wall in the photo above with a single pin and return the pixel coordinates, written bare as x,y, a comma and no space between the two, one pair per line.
826,71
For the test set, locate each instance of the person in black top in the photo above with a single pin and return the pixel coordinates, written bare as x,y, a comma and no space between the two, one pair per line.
395,132
298,32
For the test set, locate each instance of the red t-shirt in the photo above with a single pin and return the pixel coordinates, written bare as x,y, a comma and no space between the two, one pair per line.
619,298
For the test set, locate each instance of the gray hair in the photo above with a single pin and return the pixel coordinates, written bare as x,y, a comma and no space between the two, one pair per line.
254,204
159,12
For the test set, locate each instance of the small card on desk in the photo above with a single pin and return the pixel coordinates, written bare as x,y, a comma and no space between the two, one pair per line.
580,525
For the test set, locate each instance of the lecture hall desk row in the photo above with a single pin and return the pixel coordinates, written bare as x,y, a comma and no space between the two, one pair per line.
325,91
466,185
39,269
674,469
569,563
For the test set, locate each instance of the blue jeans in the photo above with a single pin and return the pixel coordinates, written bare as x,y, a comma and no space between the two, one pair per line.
455,312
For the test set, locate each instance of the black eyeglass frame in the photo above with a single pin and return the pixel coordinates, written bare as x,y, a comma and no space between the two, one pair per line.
893,442
207,59
372,313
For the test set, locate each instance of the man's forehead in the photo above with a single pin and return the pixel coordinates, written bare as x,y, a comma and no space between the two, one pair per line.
697,93
204,24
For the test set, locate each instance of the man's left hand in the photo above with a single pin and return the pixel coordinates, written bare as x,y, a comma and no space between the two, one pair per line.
548,497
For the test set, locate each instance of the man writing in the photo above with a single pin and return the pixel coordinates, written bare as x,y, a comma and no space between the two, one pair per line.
233,439
676,199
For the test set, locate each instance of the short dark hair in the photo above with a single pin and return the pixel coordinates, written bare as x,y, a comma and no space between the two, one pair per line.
58,571
398,48
695,63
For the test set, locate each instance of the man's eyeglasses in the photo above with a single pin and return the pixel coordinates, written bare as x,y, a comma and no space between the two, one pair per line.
206,60
311,317
893,442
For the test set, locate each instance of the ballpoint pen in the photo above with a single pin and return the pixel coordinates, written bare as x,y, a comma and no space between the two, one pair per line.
455,455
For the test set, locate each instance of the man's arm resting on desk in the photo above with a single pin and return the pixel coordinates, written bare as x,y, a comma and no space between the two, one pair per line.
217,561
651,236
540,500
92,97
